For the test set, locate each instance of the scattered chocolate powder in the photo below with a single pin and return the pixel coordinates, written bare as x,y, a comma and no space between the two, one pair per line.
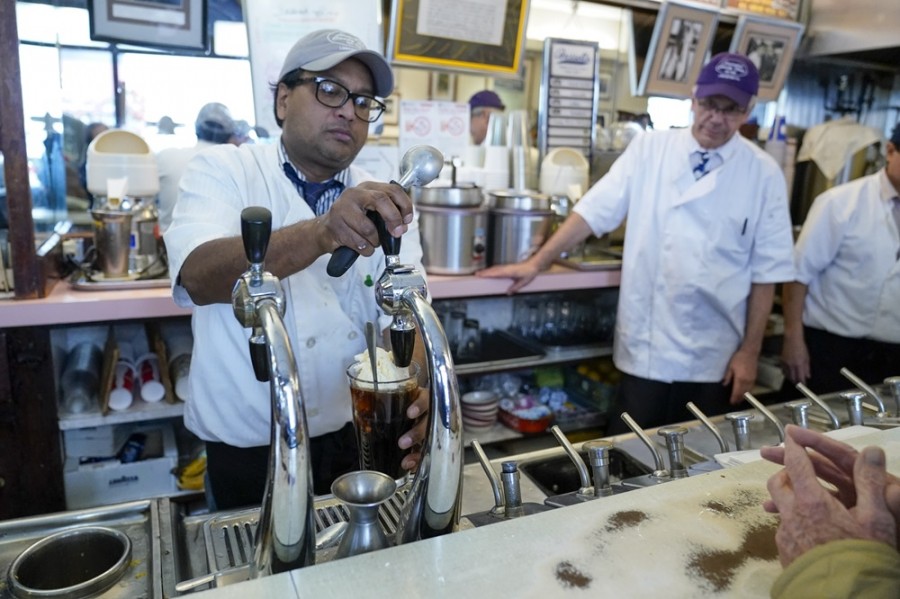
570,576
738,502
625,519
718,566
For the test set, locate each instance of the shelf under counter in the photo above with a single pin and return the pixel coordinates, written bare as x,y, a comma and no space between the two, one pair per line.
552,356
139,411
556,278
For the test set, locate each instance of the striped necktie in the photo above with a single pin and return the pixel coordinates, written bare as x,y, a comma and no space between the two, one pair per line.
700,160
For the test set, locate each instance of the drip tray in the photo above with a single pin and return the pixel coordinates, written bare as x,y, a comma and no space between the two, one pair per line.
227,538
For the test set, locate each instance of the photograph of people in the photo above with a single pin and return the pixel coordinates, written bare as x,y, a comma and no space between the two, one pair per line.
765,54
681,47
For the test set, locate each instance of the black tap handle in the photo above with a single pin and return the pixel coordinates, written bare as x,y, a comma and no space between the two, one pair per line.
259,358
343,257
402,343
256,229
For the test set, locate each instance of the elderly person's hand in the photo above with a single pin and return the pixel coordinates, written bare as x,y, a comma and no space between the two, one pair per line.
811,515
418,413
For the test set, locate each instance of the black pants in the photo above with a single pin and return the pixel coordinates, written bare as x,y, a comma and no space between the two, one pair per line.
872,361
236,476
653,403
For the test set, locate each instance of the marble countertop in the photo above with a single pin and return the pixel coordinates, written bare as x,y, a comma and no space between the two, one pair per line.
704,536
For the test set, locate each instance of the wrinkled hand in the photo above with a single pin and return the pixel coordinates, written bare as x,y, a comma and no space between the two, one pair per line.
741,373
418,413
833,462
812,516
346,222
522,273
795,359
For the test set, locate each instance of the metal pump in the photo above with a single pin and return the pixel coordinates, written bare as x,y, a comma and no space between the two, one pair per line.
286,533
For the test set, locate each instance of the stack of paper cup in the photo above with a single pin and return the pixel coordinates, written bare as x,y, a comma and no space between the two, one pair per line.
179,348
152,390
122,393
496,167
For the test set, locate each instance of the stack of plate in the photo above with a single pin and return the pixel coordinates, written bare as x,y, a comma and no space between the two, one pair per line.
479,410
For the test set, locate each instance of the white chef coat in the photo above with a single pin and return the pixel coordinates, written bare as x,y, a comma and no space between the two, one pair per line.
325,316
692,250
170,164
847,256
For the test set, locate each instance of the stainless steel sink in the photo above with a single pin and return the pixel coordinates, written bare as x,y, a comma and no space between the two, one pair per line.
139,520
558,475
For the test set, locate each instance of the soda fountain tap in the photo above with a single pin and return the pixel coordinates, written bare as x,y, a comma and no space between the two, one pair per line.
893,385
419,166
286,533
598,455
659,472
693,409
512,491
767,414
799,411
835,422
674,436
854,401
586,490
740,424
862,386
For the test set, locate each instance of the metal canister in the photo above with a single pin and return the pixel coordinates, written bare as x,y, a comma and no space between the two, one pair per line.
519,224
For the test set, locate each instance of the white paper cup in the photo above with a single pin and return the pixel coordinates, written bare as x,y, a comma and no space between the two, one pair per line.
152,390
122,393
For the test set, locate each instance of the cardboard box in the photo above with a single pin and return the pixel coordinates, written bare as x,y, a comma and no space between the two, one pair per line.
95,441
109,482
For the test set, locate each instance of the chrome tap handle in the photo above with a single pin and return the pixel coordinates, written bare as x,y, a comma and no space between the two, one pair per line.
799,410
660,470
765,412
674,436
740,424
835,422
576,459
256,230
862,386
693,409
598,454
854,401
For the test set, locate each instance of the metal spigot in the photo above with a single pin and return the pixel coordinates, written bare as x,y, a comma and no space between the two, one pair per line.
854,401
674,436
835,422
586,490
799,410
286,533
767,413
893,384
659,471
740,424
512,491
598,455
862,386
693,409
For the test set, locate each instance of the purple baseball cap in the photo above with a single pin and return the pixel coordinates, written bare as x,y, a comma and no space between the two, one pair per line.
895,136
731,75
486,99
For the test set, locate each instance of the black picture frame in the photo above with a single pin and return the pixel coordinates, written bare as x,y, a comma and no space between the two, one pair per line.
156,23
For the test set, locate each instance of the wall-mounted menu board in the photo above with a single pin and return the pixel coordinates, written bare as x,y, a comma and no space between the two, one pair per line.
478,36
569,94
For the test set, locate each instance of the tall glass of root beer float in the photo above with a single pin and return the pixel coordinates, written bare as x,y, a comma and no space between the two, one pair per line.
379,411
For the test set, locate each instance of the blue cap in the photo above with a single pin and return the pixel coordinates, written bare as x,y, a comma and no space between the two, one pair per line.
731,75
486,99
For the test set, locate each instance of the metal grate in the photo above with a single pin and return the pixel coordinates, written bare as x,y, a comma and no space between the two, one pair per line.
230,537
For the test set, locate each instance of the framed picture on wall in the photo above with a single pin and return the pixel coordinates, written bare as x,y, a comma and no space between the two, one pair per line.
157,23
771,45
681,39
441,86
442,35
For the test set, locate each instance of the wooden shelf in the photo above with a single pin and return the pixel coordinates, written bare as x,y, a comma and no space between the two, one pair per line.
139,411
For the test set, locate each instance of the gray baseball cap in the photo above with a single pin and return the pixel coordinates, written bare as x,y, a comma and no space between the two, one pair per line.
323,49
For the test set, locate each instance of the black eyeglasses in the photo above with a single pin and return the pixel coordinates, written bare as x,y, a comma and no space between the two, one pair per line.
334,95
729,111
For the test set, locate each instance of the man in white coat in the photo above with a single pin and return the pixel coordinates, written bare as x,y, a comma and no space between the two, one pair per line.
708,237
324,102
843,310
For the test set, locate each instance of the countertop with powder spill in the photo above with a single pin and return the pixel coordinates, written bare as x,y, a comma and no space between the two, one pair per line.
705,536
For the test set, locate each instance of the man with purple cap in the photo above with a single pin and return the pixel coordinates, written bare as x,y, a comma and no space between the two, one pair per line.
481,105
842,309
708,237
326,95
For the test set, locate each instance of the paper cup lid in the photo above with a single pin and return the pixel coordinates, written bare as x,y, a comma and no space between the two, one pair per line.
182,389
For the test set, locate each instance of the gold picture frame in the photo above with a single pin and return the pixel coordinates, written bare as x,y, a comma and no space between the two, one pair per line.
436,35
771,45
682,36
